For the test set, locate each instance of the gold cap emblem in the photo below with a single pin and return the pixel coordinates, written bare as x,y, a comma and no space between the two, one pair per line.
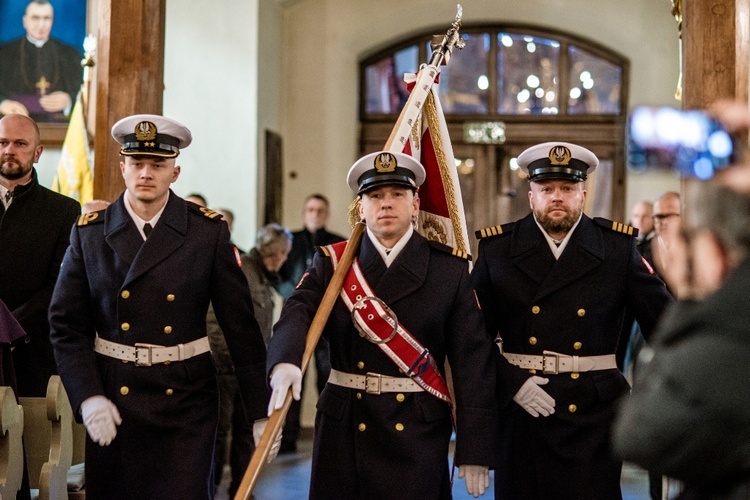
385,162
559,155
145,131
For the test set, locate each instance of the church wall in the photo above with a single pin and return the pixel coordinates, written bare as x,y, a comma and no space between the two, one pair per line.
211,85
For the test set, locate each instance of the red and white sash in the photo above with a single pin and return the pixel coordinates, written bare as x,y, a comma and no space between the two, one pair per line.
375,321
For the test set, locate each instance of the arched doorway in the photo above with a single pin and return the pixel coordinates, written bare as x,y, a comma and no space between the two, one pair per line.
523,84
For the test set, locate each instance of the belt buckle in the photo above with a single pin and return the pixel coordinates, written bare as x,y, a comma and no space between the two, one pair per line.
555,370
377,380
139,348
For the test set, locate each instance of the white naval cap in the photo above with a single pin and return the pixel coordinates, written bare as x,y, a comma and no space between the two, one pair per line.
151,135
557,160
385,168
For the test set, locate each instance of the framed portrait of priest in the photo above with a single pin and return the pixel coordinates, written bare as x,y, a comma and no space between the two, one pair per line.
40,57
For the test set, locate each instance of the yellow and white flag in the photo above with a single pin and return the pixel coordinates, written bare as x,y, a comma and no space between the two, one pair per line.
74,177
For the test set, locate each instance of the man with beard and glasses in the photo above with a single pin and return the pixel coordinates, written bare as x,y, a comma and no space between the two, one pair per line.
555,286
34,228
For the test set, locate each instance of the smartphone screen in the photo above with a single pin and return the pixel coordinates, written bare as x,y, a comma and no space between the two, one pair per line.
690,142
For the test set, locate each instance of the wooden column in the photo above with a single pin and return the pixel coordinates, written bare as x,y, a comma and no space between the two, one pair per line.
129,78
716,49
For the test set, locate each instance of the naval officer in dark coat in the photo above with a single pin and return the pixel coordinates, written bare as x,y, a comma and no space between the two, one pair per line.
555,286
378,432
128,319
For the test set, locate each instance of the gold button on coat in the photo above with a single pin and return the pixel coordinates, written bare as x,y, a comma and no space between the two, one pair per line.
572,408
361,427
169,392
399,427
125,327
361,364
532,340
167,330
124,390
535,309
581,313
359,395
170,297
574,375
577,345
532,371
400,397
125,294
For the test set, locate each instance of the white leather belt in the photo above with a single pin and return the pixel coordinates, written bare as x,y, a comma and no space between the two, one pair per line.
554,362
373,383
151,354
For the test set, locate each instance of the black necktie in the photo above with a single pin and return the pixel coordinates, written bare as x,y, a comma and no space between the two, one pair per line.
8,196
147,229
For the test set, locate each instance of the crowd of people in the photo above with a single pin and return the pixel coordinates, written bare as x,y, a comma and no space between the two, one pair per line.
172,342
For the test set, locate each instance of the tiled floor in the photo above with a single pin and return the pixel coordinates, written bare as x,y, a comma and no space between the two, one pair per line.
288,477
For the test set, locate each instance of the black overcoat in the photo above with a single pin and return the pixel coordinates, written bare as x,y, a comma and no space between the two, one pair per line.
689,414
360,450
157,292
34,233
576,306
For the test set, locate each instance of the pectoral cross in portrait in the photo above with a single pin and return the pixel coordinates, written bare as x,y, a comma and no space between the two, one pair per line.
43,85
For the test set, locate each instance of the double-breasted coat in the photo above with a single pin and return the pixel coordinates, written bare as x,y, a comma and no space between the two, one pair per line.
395,445
127,290
575,306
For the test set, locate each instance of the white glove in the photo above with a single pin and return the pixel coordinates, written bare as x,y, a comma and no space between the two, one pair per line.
101,418
284,376
477,478
259,427
534,399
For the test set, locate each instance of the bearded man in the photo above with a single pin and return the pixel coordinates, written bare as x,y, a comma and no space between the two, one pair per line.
556,286
34,230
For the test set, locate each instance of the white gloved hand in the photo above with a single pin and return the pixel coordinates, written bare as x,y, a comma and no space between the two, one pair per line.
101,418
284,376
534,399
477,478
259,427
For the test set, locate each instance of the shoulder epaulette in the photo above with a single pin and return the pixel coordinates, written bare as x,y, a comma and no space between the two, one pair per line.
448,249
617,227
494,230
206,212
90,218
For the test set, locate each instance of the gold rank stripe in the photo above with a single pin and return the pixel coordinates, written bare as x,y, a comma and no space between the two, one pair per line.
622,228
490,231
325,251
211,214
84,219
460,253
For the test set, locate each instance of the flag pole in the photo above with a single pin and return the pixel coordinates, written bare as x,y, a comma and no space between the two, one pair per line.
396,141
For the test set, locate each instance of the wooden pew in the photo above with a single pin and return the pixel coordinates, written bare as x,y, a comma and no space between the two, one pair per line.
11,448
48,438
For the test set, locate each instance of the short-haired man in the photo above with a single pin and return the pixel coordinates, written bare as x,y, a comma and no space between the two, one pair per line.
383,423
39,76
34,234
667,225
128,321
556,286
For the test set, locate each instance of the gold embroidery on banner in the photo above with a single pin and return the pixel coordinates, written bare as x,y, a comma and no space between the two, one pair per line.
416,134
433,228
430,111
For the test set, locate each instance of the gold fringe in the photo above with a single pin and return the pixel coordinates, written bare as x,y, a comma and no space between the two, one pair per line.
430,112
